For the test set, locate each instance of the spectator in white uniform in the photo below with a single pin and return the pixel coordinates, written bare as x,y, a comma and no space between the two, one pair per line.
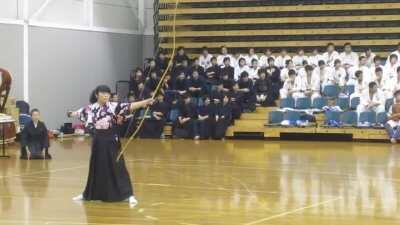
299,58
264,58
285,71
372,99
339,73
241,68
224,54
325,74
249,58
350,59
289,86
205,58
397,53
282,58
359,85
390,70
253,69
315,58
330,55
307,85
369,55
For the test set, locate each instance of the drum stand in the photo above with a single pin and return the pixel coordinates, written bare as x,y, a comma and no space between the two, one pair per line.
3,146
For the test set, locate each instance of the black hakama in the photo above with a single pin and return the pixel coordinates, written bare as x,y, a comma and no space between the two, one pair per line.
108,180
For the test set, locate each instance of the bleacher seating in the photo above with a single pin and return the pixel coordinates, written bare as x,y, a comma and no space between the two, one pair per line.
279,24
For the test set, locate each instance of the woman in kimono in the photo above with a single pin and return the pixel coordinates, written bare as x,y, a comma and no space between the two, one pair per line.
108,179
35,138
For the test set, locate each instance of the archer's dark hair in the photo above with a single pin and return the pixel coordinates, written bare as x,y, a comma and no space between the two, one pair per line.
97,90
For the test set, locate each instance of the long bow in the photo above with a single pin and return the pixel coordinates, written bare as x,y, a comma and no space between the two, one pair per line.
159,85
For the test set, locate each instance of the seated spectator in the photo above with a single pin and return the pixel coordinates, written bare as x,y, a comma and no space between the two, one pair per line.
35,139
280,61
372,99
228,69
212,74
263,88
223,118
359,85
180,85
240,68
299,58
285,71
289,86
152,81
250,57
196,66
187,124
154,126
276,82
307,85
206,119
247,98
205,58
196,87
180,57
264,58
162,61
393,124
253,70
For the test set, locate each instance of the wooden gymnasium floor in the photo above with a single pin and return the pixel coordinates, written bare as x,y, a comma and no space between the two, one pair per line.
199,183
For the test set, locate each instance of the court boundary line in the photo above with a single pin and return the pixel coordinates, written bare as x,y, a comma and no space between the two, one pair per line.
292,211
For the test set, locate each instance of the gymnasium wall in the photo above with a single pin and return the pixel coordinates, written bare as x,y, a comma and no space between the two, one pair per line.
66,65
11,55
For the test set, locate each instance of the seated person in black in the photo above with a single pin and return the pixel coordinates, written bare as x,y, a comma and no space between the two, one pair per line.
162,62
142,92
136,78
152,81
206,119
35,139
187,125
180,84
235,104
152,67
217,94
227,83
212,73
196,87
262,88
196,67
247,99
223,118
154,126
275,78
228,69
180,57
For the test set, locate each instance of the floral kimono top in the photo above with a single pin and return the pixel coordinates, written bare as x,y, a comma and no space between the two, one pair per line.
102,117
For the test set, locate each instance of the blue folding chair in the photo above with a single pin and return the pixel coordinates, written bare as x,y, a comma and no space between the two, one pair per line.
319,103
303,103
388,104
349,118
349,89
292,116
367,117
354,102
332,118
275,118
343,103
331,91
287,103
381,118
